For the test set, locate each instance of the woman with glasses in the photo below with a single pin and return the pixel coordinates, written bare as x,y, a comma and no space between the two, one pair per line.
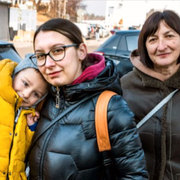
65,145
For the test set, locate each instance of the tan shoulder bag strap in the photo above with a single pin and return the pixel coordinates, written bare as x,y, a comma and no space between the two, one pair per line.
101,124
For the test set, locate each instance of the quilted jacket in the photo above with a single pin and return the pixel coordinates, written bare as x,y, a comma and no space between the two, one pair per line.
68,150
15,138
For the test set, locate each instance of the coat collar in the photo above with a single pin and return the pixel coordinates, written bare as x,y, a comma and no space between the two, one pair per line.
152,78
107,79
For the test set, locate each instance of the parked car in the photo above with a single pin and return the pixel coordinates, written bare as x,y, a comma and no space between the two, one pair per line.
7,50
118,48
85,29
103,32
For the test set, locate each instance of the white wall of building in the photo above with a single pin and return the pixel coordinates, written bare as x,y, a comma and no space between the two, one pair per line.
24,19
134,13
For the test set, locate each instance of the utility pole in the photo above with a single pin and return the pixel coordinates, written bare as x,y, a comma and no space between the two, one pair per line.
59,8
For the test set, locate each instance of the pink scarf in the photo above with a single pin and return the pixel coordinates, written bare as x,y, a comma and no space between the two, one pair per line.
92,71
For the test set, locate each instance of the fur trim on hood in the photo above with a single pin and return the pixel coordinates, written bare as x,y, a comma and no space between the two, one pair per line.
135,59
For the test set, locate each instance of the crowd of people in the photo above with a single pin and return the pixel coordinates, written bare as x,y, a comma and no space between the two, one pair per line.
48,104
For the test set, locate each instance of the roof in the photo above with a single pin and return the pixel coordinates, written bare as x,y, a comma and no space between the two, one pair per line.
5,2
124,31
5,43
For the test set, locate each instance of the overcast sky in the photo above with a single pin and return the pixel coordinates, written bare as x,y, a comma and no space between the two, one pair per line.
95,7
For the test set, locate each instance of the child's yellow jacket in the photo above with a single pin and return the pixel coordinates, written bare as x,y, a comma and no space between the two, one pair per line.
15,138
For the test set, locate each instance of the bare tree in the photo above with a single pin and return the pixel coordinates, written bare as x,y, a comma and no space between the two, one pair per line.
36,4
72,7
59,8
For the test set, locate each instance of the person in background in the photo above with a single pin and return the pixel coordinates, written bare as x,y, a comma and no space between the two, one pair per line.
155,75
65,147
97,32
22,87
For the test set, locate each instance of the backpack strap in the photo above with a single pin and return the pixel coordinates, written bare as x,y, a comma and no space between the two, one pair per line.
101,124
156,108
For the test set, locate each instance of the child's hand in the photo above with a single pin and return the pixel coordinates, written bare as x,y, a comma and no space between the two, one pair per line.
32,119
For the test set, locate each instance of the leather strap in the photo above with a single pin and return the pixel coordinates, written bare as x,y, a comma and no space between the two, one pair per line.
101,123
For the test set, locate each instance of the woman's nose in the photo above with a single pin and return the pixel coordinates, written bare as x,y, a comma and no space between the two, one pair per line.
49,61
161,45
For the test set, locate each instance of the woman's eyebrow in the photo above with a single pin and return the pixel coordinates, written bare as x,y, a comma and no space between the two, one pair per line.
53,46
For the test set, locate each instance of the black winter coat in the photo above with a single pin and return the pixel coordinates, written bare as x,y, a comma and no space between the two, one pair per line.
68,150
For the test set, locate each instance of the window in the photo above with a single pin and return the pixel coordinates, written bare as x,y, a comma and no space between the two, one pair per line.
112,42
132,42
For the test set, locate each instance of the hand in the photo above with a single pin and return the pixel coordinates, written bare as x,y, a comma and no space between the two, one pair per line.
32,119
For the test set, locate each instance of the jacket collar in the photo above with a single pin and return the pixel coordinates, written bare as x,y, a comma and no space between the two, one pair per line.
107,79
152,78
92,71
139,65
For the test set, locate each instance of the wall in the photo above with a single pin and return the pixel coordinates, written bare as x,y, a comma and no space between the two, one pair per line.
134,13
4,21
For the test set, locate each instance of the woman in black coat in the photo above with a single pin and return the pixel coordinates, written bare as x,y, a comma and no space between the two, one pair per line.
68,149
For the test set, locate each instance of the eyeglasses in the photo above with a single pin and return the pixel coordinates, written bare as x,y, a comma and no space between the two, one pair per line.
56,54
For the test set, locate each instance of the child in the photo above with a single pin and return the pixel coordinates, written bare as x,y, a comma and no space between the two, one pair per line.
22,87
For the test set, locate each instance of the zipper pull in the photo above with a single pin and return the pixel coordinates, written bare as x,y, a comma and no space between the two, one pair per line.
17,115
57,97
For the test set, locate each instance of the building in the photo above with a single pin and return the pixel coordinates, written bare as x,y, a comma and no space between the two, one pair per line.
123,14
4,20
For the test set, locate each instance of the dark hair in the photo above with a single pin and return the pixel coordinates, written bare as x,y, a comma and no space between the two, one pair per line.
66,28
150,26
62,26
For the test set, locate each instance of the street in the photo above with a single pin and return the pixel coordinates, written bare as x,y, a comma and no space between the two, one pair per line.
27,47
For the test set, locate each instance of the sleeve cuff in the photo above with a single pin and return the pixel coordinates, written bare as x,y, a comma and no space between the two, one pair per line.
33,127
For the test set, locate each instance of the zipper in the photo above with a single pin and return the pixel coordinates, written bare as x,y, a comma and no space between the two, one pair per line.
17,115
57,97
16,103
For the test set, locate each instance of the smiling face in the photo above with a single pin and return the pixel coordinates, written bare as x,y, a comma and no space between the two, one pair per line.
163,48
65,71
30,86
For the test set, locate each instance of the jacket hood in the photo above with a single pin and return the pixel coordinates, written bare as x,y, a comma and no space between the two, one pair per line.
152,78
24,64
107,79
135,59
93,70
